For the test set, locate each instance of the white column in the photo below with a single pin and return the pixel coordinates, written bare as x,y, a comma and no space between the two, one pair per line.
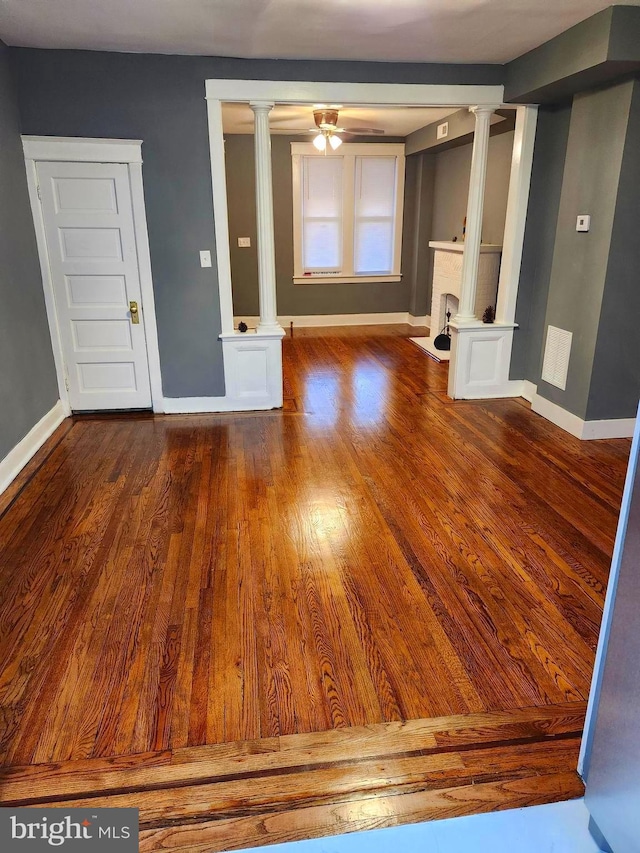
264,214
519,182
473,235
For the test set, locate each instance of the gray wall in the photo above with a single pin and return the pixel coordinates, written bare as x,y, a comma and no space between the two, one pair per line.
451,191
293,299
615,381
591,177
594,52
417,261
160,99
537,256
28,387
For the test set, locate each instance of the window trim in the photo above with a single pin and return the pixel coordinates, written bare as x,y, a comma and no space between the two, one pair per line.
348,151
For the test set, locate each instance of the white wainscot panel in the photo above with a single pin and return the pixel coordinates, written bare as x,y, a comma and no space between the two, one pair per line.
253,372
102,335
90,243
95,376
98,290
484,358
96,195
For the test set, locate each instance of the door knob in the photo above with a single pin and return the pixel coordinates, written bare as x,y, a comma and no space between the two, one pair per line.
133,308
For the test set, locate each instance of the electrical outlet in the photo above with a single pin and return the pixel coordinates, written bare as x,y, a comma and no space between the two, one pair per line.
205,258
244,242
583,222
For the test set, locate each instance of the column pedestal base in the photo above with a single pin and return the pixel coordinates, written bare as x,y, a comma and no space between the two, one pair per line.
480,360
253,370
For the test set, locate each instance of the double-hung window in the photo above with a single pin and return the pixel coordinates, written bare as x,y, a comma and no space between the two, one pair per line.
347,212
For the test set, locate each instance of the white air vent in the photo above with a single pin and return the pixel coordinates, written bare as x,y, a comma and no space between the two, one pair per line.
556,357
442,130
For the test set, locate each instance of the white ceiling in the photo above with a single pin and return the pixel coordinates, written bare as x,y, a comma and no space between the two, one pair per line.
387,30
289,119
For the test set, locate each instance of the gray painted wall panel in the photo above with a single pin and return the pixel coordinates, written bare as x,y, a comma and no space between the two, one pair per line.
615,381
418,229
590,185
537,256
160,99
453,168
28,387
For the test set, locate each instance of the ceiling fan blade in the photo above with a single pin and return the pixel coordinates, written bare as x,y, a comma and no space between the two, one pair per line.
364,131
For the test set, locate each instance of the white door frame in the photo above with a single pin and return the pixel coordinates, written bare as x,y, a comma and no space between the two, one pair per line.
78,150
387,94
292,92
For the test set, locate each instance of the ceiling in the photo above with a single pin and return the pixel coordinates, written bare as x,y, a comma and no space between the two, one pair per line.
385,30
288,119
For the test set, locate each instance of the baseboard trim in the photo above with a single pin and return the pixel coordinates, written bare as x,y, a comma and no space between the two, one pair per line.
321,320
614,428
208,405
26,449
528,390
584,430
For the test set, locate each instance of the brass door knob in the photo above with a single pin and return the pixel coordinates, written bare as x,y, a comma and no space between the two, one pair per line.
133,308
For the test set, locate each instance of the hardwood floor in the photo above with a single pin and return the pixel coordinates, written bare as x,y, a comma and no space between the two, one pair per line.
228,620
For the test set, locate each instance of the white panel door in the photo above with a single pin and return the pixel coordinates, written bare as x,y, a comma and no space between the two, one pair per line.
91,245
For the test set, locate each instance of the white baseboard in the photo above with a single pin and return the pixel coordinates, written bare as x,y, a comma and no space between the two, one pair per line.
17,458
321,320
425,320
528,390
585,430
208,405
614,428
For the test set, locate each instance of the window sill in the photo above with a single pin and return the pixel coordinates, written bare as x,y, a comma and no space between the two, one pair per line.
338,279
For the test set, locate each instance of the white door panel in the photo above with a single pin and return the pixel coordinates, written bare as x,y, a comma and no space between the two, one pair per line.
94,267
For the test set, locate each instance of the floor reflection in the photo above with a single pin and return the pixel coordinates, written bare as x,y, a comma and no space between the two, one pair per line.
370,383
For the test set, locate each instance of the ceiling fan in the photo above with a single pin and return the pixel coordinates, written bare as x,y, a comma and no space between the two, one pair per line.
326,119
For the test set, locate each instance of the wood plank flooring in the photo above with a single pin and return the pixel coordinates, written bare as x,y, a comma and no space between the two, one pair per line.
374,606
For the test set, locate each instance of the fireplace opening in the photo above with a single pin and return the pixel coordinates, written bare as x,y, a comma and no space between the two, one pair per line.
448,302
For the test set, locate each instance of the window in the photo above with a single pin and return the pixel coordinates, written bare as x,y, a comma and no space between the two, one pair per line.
347,212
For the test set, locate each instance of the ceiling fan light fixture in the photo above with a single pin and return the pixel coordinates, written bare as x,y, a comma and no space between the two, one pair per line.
335,142
320,142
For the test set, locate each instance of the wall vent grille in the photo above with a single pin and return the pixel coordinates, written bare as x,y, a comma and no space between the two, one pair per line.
556,357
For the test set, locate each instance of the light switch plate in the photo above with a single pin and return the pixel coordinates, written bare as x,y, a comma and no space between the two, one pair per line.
583,222
244,242
442,130
205,258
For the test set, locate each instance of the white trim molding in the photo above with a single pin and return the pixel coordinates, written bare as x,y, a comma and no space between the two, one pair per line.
576,426
321,320
26,449
528,390
378,94
81,150
516,215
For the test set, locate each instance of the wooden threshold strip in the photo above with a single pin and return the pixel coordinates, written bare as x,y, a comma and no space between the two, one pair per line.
340,751
375,813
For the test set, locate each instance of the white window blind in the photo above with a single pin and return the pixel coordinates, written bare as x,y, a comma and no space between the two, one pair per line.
322,214
375,207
